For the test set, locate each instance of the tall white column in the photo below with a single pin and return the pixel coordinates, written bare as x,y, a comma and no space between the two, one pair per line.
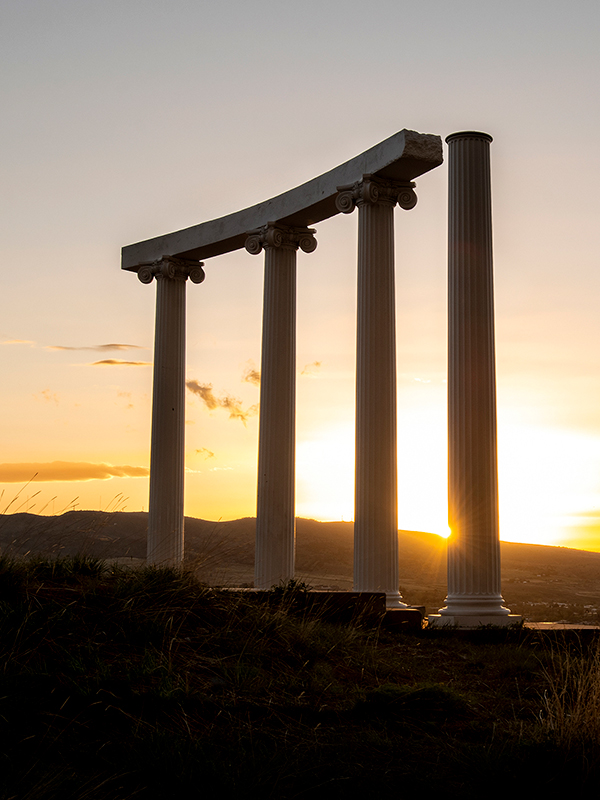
165,510
474,596
376,475
275,513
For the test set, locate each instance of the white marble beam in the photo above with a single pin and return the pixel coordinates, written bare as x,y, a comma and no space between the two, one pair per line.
403,156
275,513
165,510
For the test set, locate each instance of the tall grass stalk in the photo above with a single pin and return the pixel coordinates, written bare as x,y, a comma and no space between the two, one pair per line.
16,497
571,705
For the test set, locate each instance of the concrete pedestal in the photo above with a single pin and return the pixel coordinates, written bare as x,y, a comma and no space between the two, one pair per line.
474,596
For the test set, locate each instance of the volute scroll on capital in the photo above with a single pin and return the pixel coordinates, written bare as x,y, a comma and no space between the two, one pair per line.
373,189
275,235
172,268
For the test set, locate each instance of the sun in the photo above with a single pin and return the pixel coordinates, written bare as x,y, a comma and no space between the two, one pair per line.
325,475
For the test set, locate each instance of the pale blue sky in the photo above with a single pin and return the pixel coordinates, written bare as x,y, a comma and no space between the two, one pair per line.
124,120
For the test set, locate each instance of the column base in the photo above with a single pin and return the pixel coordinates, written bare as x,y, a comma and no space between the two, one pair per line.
470,621
394,600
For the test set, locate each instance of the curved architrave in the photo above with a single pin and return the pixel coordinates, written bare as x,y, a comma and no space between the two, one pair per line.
404,156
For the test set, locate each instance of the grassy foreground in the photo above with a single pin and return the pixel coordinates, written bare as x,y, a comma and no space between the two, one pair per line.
145,683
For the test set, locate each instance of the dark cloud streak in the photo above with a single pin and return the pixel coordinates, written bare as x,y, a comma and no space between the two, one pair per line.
99,348
117,362
67,471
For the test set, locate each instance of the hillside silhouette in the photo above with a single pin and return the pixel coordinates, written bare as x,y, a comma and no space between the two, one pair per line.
542,582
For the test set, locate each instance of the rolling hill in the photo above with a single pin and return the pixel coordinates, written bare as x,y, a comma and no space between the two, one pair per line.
541,582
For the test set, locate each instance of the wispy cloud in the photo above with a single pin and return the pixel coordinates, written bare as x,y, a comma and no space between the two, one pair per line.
590,514
126,396
311,370
117,362
231,404
251,374
206,452
205,392
18,341
99,348
47,396
67,471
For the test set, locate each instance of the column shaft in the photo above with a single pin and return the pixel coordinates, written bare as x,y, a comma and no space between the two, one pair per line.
474,596
165,518
275,515
376,482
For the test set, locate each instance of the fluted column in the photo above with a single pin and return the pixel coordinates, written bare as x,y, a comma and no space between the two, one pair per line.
376,474
275,513
474,596
165,510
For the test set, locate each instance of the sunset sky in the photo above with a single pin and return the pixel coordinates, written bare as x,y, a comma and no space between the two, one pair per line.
125,120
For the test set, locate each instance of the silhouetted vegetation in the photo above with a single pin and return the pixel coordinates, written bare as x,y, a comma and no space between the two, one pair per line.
540,583
122,683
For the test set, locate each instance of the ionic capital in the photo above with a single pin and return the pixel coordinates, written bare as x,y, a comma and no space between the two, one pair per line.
373,189
275,235
172,268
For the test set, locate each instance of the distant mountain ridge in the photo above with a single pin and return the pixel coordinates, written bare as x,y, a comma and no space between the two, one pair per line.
222,553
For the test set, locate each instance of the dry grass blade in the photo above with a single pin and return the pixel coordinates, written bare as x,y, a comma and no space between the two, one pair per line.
571,711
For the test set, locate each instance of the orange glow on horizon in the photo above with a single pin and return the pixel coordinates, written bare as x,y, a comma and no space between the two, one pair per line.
547,482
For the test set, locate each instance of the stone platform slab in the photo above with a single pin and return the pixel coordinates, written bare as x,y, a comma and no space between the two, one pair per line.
335,606
473,621
330,605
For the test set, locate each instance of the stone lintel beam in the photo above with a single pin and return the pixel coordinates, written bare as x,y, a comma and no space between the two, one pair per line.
404,156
